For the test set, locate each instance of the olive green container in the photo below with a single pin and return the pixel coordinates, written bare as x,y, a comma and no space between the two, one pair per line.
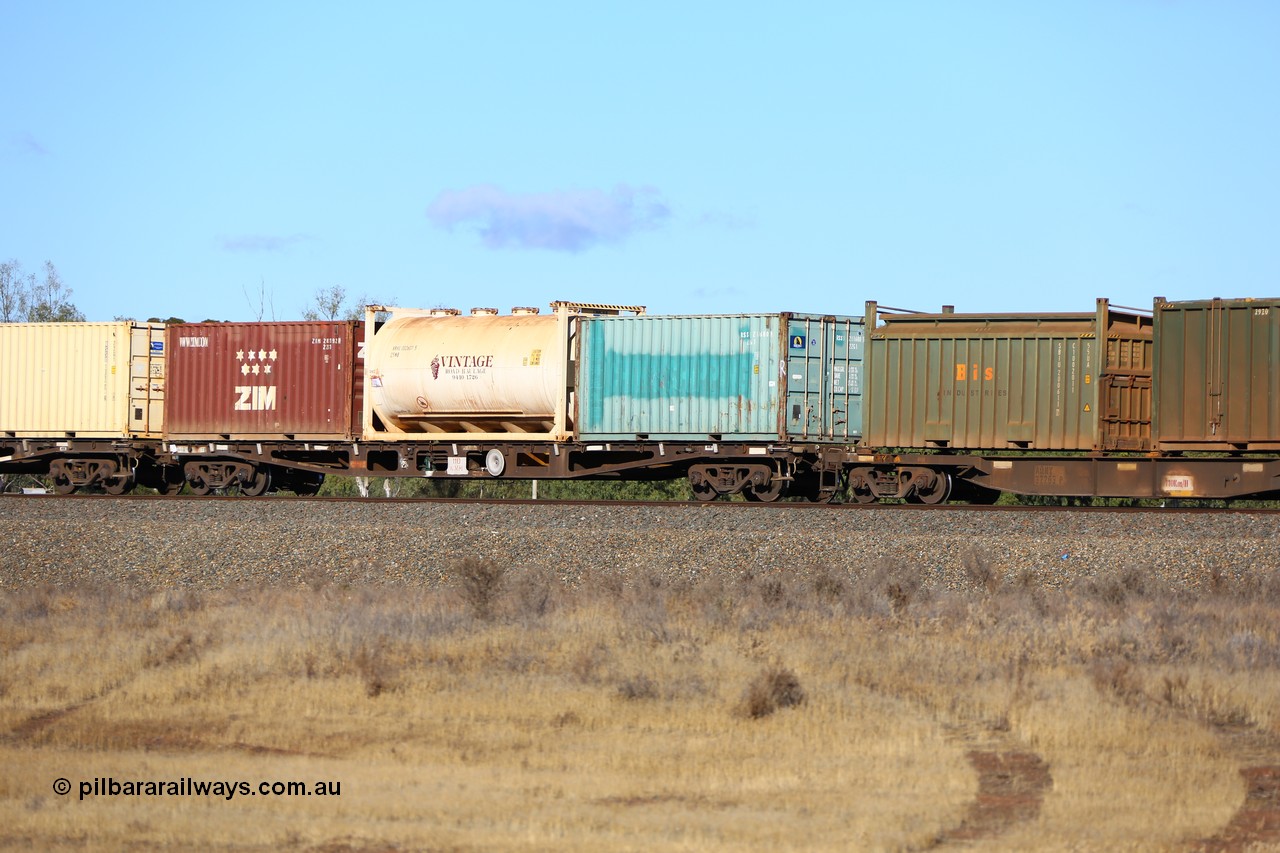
1218,374
1008,381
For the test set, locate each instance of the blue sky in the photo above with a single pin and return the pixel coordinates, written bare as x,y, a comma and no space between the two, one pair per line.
182,158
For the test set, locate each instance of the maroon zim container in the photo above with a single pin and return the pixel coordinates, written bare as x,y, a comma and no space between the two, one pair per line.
264,380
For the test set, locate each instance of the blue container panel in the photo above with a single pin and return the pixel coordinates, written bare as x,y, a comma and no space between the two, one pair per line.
680,378
824,377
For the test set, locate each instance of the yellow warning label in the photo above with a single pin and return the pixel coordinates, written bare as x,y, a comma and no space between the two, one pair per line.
1088,378
1086,407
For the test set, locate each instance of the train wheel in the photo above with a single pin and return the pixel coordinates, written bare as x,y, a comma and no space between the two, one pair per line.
768,493
935,493
258,483
860,486
862,494
700,483
703,491
62,485
199,487
119,485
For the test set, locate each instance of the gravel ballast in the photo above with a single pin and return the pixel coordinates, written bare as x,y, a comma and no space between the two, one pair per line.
217,543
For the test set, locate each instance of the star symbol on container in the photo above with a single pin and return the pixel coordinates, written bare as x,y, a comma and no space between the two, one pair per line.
255,370
272,354
266,368
251,355
239,355
244,368
262,355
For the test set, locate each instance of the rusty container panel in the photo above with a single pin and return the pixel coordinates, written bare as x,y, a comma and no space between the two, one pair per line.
725,377
264,380
81,380
1010,381
1218,374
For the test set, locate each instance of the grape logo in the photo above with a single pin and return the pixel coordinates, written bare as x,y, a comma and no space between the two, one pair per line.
460,366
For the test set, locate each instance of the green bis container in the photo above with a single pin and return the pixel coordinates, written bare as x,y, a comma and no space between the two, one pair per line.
1218,374
1009,381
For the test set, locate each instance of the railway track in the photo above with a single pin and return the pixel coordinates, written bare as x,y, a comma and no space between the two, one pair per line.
737,506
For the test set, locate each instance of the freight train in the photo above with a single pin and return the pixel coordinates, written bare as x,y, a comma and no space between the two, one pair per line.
1180,401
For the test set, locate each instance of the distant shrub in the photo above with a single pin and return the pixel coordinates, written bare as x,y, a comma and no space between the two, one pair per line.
888,588
828,587
534,593
981,574
480,582
776,687
638,687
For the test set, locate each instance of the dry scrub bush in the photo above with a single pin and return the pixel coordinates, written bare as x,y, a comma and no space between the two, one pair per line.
978,570
638,686
479,582
888,589
776,687
535,593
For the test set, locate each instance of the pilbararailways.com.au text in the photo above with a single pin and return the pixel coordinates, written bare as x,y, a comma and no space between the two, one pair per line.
188,787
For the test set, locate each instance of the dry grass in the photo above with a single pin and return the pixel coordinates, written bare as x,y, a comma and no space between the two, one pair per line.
816,710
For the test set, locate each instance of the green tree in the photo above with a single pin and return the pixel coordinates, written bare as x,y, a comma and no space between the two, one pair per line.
26,298
330,303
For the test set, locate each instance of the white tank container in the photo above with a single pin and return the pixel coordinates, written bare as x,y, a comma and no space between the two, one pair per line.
457,374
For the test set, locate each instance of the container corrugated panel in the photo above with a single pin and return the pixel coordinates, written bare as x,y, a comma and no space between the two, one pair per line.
264,380
730,377
1218,374
74,379
1011,381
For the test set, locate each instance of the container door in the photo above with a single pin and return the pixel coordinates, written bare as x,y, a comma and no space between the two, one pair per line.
824,378
146,380
1124,394
1124,382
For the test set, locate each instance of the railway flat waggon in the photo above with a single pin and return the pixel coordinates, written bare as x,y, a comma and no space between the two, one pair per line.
736,403
82,402
1101,404
263,405
761,394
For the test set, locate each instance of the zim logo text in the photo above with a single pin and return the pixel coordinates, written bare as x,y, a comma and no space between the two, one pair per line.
255,398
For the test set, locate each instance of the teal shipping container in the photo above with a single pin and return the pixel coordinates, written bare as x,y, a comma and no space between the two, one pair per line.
743,377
